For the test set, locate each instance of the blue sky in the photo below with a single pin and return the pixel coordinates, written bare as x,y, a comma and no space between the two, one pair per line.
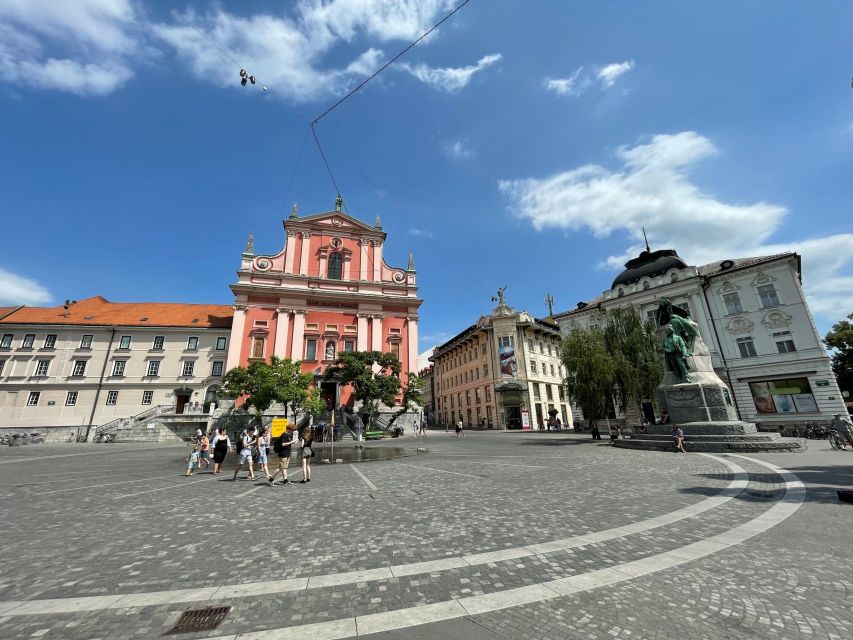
523,144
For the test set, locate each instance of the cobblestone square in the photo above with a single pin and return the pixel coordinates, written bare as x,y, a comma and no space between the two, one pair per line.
491,536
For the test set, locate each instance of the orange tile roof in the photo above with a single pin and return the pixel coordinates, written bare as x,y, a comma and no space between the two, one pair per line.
6,311
99,311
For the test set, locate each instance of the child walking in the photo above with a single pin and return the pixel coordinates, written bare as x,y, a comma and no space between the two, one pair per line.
192,461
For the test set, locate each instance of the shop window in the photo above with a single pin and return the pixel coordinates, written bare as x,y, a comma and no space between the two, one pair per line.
791,395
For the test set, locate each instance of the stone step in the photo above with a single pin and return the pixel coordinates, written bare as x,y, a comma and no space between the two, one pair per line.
719,444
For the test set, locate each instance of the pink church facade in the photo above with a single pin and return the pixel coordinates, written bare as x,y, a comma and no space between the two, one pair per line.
328,290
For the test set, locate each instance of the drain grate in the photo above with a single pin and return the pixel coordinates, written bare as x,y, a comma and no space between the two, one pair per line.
199,620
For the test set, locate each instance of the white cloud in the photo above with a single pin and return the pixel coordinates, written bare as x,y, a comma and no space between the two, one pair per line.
423,358
450,79
81,47
582,79
458,149
420,233
609,73
15,290
652,188
574,85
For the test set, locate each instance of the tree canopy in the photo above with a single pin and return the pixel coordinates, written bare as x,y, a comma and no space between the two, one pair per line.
840,340
262,383
614,365
371,384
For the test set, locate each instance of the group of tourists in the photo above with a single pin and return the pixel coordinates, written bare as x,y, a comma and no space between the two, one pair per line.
253,448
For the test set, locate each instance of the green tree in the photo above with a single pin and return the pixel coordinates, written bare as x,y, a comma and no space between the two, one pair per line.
356,368
589,372
413,398
840,340
631,345
262,383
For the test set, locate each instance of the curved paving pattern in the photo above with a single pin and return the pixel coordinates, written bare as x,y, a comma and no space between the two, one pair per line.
432,586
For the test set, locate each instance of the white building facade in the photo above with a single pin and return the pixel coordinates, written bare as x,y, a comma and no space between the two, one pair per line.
95,361
753,316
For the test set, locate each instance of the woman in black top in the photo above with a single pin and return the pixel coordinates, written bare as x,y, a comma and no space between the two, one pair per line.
306,451
221,444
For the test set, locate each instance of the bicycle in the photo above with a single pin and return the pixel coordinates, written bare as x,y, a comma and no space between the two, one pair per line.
835,440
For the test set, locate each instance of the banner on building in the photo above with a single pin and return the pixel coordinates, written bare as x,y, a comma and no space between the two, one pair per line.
525,419
509,363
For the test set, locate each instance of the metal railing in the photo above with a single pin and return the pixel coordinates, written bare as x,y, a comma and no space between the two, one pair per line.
126,423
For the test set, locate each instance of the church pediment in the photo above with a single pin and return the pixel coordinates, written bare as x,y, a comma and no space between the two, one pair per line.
333,222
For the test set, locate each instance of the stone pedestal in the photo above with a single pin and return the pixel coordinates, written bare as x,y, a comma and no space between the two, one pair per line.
697,402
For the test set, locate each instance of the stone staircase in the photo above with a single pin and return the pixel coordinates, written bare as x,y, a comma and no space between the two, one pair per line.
709,437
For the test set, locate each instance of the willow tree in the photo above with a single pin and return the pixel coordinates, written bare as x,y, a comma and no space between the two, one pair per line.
589,372
631,346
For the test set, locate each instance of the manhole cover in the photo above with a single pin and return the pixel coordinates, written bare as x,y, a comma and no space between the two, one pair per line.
199,620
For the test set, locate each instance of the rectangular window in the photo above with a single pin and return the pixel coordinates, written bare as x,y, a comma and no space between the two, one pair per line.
529,344
220,343
477,395
536,393
158,342
217,368
79,368
505,341
86,341
533,366
258,345
153,368
41,367
118,367
562,393
147,397
468,398
112,397
746,346
124,343
732,302
310,350
33,400
552,370
6,342
50,341
395,350
28,341
488,394
189,367
71,399
767,295
548,393
485,370
785,346
192,343
2,365
349,345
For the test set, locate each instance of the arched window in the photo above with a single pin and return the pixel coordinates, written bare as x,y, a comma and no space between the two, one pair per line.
646,285
336,261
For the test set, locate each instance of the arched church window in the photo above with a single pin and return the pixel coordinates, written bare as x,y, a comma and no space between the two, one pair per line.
336,261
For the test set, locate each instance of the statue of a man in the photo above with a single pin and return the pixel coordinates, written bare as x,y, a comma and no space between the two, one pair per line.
501,299
676,353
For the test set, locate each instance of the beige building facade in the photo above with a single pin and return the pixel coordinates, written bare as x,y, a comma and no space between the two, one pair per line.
503,372
93,361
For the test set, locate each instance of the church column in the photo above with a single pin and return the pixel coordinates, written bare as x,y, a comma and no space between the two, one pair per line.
412,327
236,343
290,252
377,333
347,265
377,260
361,340
297,347
281,327
305,245
362,274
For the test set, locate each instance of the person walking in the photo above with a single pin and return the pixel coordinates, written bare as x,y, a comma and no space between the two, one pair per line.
306,452
247,444
221,446
204,451
844,429
678,438
596,434
459,429
263,442
192,461
282,448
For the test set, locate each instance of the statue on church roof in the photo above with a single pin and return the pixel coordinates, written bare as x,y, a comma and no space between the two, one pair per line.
250,244
378,223
339,203
411,261
294,212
